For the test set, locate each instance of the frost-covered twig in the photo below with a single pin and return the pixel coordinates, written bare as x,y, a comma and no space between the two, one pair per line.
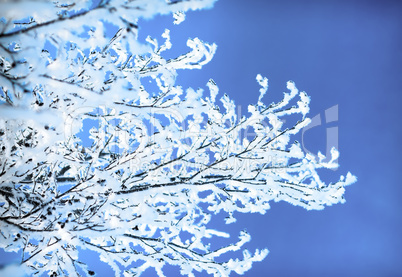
158,165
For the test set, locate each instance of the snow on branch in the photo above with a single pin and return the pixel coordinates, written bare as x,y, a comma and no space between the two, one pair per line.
90,158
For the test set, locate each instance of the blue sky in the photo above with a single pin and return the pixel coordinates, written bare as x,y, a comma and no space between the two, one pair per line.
345,53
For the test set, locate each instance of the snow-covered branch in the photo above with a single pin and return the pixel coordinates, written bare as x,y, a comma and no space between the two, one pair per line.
142,184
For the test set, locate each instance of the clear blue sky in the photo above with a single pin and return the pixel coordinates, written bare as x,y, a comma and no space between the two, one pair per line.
341,52
345,53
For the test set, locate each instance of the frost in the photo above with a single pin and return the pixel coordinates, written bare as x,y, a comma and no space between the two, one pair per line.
264,86
213,88
179,17
94,158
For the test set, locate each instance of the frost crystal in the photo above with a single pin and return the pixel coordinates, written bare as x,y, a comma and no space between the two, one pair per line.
179,17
